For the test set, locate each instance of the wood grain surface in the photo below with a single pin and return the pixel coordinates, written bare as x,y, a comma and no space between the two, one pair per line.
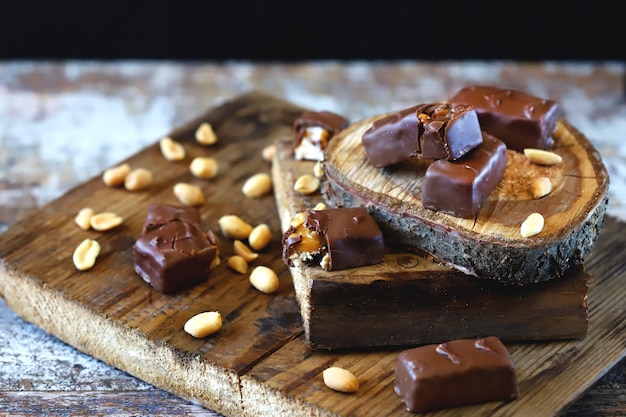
258,364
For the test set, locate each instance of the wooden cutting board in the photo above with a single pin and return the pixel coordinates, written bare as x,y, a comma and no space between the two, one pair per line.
258,363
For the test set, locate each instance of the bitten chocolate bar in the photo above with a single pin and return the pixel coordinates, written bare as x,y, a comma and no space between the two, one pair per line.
174,253
461,187
518,119
337,238
455,373
425,131
313,131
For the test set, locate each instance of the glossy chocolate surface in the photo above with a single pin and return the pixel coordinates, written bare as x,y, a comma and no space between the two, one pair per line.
519,119
455,373
350,235
160,214
461,187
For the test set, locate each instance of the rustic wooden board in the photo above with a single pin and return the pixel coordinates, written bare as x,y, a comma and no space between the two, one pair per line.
258,364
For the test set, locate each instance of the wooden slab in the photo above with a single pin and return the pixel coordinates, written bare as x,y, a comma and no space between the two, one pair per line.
259,363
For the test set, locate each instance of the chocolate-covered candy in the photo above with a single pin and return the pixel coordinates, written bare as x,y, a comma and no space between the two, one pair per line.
336,238
174,253
455,373
425,131
313,131
461,187
519,119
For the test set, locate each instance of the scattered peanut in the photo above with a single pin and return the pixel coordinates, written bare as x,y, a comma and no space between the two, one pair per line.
318,169
234,227
532,225
203,167
189,194
115,176
204,324
171,149
268,153
237,263
306,184
540,187
340,379
105,221
257,185
205,134
264,279
541,157
83,218
320,206
242,250
85,254
260,236
138,179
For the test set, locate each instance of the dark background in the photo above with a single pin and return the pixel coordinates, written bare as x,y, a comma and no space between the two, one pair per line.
312,29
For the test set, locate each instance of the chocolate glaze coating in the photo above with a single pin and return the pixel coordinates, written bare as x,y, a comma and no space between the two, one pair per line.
455,373
519,119
461,187
350,235
160,214
426,131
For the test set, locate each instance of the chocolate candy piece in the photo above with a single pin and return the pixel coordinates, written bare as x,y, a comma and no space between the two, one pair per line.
518,119
426,131
459,372
313,131
337,238
461,187
174,252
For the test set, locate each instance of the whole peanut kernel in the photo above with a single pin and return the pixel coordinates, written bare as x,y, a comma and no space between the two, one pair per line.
542,157
318,169
203,167
138,179
237,263
540,187
83,218
85,254
264,279
532,225
189,194
340,379
320,206
171,149
205,134
244,251
115,176
260,236
234,227
268,153
306,184
105,221
257,185
204,324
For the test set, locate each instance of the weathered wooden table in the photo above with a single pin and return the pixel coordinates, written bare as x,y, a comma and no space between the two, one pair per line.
63,123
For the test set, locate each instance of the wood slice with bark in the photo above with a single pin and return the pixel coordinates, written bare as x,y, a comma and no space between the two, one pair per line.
489,245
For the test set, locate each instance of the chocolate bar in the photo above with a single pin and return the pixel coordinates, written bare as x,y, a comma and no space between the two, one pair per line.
337,238
174,253
425,131
455,373
461,187
313,131
518,119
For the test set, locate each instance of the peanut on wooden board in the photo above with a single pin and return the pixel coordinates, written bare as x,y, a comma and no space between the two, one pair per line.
264,279
85,254
340,379
244,251
532,226
318,169
260,236
542,157
189,194
171,149
268,153
115,176
306,184
237,263
540,187
83,218
105,221
234,227
204,324
204,167
138,179
257,185
205,134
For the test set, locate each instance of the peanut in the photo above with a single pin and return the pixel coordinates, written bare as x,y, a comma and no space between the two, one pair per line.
268,153
115,176
237,263
540,187
264,279
204,324
138,179
260,236
203,167
318,169
242,250
83,218
85,254
306,184
257,185
541,157
532,225
340,379
105,221
189,194
234,227
171,149
205,134
320,206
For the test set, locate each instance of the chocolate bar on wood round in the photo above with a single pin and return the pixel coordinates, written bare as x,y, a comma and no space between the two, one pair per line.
461,187
519,119
425,131
455,373
313,131
336,239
